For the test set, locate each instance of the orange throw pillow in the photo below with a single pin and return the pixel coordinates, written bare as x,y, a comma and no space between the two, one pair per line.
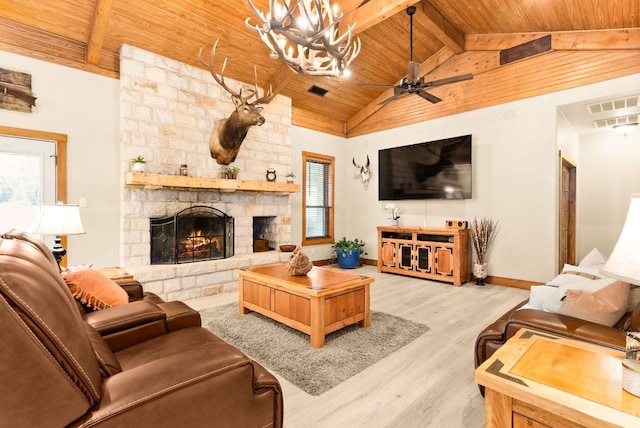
94,289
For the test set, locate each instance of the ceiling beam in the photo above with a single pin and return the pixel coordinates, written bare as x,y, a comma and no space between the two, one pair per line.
279,80
99,23
433,62
438,25
373,13
346,6
596,40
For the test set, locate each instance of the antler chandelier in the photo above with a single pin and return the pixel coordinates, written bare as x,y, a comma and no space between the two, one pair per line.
304,34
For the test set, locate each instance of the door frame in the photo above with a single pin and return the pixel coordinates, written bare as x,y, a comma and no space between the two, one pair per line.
571,203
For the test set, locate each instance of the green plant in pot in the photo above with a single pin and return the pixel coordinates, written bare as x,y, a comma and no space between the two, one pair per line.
348,252
138,164
230,171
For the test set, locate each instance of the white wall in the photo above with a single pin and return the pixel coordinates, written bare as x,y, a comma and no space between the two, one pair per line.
515,180
513,144
608,173
85,107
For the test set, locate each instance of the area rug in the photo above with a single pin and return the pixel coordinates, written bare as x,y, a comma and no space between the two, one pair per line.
288,352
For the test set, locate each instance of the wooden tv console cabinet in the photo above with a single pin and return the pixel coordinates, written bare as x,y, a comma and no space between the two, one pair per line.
441,254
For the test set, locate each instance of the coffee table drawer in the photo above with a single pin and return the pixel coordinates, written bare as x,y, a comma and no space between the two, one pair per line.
291,306
344,306
257,294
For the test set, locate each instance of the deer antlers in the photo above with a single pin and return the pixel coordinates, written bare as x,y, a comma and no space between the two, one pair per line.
236,96
314,30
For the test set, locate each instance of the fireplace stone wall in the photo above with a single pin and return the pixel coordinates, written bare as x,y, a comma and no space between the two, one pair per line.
167,112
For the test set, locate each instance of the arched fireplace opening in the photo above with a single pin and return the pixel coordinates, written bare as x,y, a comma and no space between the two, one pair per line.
194,234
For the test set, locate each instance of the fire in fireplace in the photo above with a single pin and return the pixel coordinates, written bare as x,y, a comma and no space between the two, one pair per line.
194,234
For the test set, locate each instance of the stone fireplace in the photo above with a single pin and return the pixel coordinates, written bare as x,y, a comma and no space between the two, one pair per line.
168,110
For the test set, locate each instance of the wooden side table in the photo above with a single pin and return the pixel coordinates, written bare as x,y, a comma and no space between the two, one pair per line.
540,380
115,273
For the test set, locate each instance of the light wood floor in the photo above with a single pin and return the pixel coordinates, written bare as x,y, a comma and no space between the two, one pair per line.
428,383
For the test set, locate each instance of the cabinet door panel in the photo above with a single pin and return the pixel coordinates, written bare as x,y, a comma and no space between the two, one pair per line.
444,261
406,256
387,254
423,259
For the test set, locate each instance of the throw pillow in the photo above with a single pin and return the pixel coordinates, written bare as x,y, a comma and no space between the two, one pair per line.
604,306
94,289
634,298
594,259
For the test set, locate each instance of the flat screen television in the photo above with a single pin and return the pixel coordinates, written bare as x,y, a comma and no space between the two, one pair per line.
438,169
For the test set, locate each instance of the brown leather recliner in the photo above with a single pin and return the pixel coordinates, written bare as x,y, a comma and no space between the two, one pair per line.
57,370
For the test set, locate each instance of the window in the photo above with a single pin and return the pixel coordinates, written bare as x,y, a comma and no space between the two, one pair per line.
317,218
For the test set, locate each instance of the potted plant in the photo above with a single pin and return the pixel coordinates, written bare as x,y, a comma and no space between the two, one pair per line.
230,172
290,177
138,164
483,233
348,252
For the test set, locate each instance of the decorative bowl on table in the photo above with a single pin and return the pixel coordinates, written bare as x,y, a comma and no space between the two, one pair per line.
287,248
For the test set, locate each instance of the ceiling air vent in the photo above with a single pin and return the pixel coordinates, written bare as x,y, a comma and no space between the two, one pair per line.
318,90
606,123
611,105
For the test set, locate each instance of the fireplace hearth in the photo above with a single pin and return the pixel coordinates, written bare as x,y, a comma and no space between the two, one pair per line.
194,234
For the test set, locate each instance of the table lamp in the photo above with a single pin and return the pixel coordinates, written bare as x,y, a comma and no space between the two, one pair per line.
59,220
624,264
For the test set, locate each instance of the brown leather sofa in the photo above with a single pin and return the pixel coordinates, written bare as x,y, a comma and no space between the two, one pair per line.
501,330
139,364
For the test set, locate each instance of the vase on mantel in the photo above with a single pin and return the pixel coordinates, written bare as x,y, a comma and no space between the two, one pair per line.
480,272
392,221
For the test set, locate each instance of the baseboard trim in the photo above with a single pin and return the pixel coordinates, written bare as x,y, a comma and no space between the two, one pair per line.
511,282
495,280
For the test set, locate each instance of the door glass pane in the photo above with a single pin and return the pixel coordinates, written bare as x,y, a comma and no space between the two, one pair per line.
27,179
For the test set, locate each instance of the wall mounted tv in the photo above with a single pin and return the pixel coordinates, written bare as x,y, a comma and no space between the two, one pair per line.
438,169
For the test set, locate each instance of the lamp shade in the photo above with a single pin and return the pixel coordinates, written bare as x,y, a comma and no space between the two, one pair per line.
59,220
624,262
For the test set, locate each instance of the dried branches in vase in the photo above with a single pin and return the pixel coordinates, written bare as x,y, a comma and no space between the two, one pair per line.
483,233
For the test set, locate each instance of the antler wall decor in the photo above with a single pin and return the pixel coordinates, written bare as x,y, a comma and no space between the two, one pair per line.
304,34
228,134
365,171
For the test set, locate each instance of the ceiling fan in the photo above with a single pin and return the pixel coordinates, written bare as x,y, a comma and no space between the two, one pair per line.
412,84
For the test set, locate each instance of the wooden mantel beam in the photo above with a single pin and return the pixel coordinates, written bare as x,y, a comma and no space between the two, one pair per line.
101,15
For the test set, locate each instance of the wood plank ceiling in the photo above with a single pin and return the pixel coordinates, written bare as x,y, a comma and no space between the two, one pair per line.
590,42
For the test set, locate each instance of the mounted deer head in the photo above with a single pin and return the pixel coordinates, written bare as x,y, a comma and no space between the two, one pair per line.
365,172
228,134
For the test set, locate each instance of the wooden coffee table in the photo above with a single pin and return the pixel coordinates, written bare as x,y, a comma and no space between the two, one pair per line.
323,301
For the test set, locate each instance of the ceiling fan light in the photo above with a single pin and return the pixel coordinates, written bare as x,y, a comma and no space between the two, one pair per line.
625,128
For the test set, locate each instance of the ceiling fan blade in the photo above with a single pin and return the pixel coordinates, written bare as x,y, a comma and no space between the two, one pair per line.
397,93
448,80
427,96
